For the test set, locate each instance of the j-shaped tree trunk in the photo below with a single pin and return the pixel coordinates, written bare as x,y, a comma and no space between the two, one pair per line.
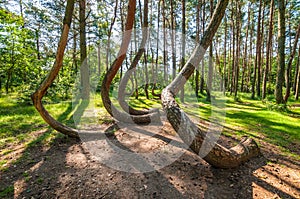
218,156
122,88
40,92
111,73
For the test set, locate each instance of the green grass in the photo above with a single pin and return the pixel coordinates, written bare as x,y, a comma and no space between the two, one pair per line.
279,126
243,117
18,121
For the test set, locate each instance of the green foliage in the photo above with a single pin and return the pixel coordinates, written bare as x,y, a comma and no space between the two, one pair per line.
277,107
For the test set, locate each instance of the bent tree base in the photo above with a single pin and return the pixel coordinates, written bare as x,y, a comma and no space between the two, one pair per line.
40,92
213,153
194,137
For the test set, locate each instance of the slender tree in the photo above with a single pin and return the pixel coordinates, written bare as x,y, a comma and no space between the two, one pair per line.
40,92
297,89
84,68
289,66
268,53
281,52
257,55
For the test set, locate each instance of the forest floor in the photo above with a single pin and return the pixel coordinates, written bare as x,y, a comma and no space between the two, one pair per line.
46,164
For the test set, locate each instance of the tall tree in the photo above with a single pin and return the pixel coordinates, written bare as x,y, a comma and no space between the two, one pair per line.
281,52
289,66
84,68
257,55
210,62
238,48
268,53
40,92
297,87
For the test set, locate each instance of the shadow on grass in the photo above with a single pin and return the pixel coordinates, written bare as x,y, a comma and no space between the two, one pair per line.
47,150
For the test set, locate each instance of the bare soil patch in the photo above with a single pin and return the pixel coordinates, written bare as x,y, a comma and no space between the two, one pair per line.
66,169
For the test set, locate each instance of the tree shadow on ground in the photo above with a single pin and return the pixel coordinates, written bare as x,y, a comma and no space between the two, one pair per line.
64,169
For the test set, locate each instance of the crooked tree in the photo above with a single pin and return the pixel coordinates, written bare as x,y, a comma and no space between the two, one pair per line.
38,95
219,156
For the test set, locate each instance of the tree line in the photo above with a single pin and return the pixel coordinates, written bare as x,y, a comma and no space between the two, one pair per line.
255,49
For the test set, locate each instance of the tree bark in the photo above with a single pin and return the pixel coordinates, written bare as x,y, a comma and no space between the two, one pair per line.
297,88
111,73
187,130
183,36
157,56
281,53
197,41
40,92
257,55
210,62
84,68
238,49
109,35
245,60
268,54
289,66
296,73
260,52
122,88
224,78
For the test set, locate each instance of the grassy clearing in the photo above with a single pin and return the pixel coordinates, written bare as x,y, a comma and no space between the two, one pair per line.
262,120
19,122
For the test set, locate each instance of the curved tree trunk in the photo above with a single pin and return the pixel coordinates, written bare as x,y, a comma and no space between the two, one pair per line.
187,130
111,73
40,92
122,88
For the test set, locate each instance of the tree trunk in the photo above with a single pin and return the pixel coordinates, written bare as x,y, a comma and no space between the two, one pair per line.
289,66
202,82
257,55
238,49
245,60
157,56
183,36
281,53
84,68
268,54
197,76
296,72
187,130
122,87
40,92
109,36
232,71
250,66
74,53
111,73
297,89
165,53
210,62
225,57
259,51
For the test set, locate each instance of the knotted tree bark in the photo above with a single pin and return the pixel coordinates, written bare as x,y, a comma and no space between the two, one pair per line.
213,153
38,95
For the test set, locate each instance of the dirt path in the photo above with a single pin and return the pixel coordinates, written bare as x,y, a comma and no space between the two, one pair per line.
66,169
